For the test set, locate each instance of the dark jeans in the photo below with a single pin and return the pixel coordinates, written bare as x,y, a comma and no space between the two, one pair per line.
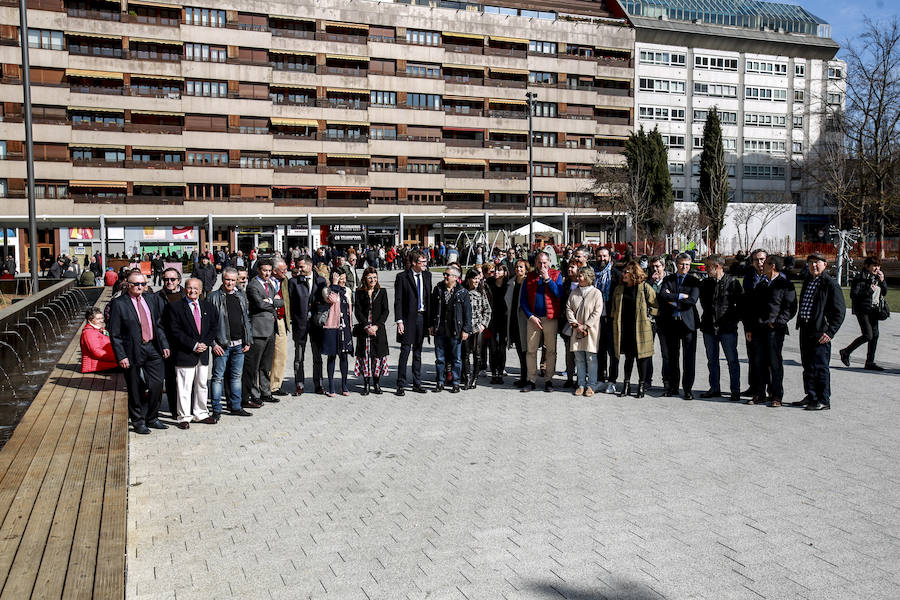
752,361
868,327
815,358
257,369
447,350
606,353
497,345
728,342
663,353
299,352
415,330
682,345
769,367
145,383
570,356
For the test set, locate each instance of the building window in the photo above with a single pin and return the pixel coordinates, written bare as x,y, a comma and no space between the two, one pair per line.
204,53
797,147
204,17
663,86
544,199
715,90
432,71
834,98
541,77
544,109
426,101
543,169
648,57
546,139
725,117
208,89
797,121
538,47
799,70
46,39
676,168
763,172
678,194
206,157
378,98
673,141
799,95
660,113
715,63
764,146
835,73
764,120
771,94
423,38
383,132
766,68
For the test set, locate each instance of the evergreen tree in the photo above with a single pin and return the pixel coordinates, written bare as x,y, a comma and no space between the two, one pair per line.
713,199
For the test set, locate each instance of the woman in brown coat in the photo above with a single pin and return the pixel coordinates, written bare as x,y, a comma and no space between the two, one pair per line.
633,303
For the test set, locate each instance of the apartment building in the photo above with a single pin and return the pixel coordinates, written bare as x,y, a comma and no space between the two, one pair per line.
239,118
771,72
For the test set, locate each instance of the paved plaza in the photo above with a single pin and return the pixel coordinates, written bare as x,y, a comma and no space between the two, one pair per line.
493,494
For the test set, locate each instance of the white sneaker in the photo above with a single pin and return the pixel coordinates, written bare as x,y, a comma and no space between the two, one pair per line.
611,388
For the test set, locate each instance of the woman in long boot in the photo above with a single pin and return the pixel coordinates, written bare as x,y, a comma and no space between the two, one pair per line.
370,308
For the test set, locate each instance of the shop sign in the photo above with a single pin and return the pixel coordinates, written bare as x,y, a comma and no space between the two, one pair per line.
458,225
346,238
81,233
382,230
115,234
296,231
348,228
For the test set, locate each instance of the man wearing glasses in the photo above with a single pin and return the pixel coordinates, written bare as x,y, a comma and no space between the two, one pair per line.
172,291
412,310
678,296
140,345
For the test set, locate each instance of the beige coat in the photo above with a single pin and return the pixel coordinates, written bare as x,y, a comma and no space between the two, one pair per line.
585,305
645,307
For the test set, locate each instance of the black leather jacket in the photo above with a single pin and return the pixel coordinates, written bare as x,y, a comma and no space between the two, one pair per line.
457,310
223,337
721,301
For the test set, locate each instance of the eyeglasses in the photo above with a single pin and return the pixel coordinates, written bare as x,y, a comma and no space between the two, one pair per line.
137,283
170,279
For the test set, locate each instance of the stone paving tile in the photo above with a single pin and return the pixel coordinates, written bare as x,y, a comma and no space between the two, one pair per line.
492,494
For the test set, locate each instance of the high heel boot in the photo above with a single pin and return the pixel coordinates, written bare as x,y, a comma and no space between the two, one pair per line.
365,390
376,386
641,388
626,389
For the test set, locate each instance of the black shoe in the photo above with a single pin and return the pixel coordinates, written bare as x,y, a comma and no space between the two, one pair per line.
280,393
157,424
818,406
640,390
735,398
626,390
454,389
439,387
873,367
519,383
419,389
251,404
216,416
271,399
376,389
669,393
749,392
399,392
528,387
711,394
365,390
241,413
804,402
141,429
568,384
548,386
845,356
688,395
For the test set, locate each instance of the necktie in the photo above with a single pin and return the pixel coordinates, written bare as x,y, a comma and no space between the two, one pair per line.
267,289
146,330
419,289
196,315
307,284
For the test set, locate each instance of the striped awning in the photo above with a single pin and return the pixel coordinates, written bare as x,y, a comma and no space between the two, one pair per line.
348,156
607,78
155,41
293,86
288,153
348,189
347,57
95,35
509,71
507,101
479,192
154,4
361,124
347,91
101,146
295,122
346,25
508,131
470,36
153,76
95,74
158,148
162,113
293,52
96,109
467,67
112,184
509,162
293,18
465,161
500,38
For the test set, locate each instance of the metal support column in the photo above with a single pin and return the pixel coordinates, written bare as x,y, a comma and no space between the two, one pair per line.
102,244
29,146
565,229
310,239
530,97
209,232
402,234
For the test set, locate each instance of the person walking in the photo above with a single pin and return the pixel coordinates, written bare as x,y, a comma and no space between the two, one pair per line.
140,345
370,311
232,342
633,304
307,304
499,288
583,309
192,327
337,338
819,317
262,304
481,317
539,300
412,312
451,326
678,298
866,294
721,298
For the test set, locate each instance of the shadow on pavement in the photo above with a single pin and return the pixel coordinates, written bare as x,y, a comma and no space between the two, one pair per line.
618,589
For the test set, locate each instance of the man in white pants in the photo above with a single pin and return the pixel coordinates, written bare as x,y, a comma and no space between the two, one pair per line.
192,325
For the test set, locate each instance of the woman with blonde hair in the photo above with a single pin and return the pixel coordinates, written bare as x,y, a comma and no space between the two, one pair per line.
583,310
633,303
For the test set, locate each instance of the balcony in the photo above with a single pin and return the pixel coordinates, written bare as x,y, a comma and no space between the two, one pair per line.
87,13
155,200
464,49
153,164
99,51
151,20
505,175
451,110
613,120
97,162
295,169
94,126
464,80
293,33
346,71
464,174
506,83
340,37
505,52
152,128
339,170
507,114
461,142
92,89
614,91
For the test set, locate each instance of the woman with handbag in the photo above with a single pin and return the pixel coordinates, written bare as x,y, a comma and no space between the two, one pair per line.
481,316
868,303
633,303
337,341
583,310
498,286
371,313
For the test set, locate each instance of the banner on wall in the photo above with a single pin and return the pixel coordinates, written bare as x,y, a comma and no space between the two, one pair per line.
183,233
81,233
152,233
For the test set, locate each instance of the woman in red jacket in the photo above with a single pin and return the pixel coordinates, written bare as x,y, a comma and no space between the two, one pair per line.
96,349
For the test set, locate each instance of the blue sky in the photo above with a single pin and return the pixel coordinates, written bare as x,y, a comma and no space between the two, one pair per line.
846,17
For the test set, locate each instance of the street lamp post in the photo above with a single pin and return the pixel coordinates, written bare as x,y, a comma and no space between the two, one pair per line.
530,97
29,147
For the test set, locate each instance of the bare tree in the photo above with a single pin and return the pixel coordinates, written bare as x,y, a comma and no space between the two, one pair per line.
752,219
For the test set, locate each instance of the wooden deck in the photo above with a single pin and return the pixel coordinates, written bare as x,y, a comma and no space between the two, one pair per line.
63,485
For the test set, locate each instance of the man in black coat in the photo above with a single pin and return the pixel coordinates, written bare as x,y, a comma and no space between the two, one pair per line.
263,304
450,322
720,297
822,310
606,278
754,277
191,325
207,275
677,297
140,345
412,310
305,294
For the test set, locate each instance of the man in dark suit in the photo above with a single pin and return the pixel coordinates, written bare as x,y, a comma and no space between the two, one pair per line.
754,277
305,293
140,345
191,325
412,310
172,291
678,296
606,278
263,304
822,310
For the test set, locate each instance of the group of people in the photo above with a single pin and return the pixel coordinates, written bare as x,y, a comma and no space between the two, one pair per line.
170,338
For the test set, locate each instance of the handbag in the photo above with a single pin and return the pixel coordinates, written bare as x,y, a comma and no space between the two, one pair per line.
884,310
320,317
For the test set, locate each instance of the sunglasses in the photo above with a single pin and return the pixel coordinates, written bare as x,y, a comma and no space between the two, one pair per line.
170,279
137,283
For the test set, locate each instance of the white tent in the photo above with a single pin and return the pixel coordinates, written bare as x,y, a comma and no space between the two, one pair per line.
538,228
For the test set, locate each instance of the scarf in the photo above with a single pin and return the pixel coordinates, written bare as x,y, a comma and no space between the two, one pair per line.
603,281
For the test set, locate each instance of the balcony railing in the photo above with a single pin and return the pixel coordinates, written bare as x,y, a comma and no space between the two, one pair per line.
462,142
153,164
464,80
340,37
347,71
293,33
505,175
152,128
295,168
507,83
298,67
99,52
97,162
464,174
340,170
151,20
613,121
452,110
87,13
504,52
508,114
91,89
464,48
